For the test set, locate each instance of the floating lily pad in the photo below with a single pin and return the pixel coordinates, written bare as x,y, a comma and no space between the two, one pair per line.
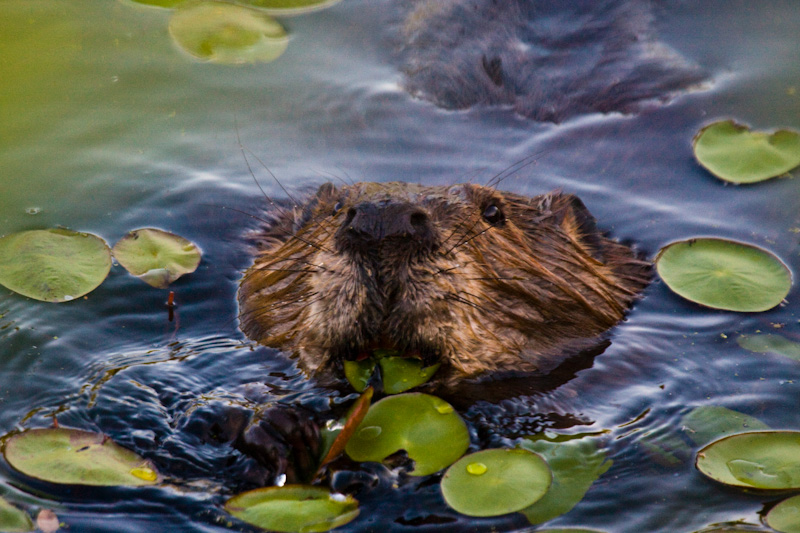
426,427
219,32
293,508
288,7
496,482
53,265
72,456
12,519
576,463
770,343
710,422
785,517
759,460
733,153
724,274
156,257
358,373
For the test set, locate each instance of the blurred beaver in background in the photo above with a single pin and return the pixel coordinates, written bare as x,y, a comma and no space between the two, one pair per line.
548,60
478,280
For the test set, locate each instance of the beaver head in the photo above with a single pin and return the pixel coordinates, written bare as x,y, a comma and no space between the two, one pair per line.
479,280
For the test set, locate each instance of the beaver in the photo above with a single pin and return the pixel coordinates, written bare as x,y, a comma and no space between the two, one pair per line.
477,280
547,60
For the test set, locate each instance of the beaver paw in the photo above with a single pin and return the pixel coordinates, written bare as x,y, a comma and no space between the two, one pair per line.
285,440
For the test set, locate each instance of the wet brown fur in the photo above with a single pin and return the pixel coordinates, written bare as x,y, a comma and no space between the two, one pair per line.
444,276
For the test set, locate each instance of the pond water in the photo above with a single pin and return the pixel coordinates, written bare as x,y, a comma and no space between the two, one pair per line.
107,126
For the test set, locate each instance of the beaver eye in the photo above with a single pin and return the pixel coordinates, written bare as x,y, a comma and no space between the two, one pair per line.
337,208
493,215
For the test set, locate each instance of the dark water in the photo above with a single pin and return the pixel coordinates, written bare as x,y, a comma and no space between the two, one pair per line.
107,127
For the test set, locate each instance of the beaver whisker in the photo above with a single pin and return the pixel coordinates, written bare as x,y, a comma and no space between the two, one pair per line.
475,236
512,169
275,306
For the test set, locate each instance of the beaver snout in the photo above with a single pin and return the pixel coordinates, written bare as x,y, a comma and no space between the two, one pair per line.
373,223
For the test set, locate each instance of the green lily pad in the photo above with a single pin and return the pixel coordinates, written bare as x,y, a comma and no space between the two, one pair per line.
73,456
770,343
220,32
496,482
288,7
398,374
576,463
53,265
785,517
13,519
765,460
156,257
425,426
732,152
710,422
724,274
293,508
358,373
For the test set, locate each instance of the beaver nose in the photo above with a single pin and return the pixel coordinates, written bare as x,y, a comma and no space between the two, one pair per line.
376,221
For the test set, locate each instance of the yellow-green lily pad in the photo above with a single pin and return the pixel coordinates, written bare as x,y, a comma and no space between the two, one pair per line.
53,265
576,463
496,482
426,427
785,517
293,508
160,3
156,257
724,274
219,32
733,153
766,460
12,519
76,457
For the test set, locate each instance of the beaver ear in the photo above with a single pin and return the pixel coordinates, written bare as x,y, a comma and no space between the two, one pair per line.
570,213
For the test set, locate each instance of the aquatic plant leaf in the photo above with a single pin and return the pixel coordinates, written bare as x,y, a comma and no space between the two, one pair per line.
732,152
73,456
358,373
759,460
425,426
293,508
710,422
53,265
155,256
288,7
724,274
785,517
13,519
576,464
770,343
219,32
398,374
496,482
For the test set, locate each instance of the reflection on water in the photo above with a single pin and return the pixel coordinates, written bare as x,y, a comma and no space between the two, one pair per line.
107,126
